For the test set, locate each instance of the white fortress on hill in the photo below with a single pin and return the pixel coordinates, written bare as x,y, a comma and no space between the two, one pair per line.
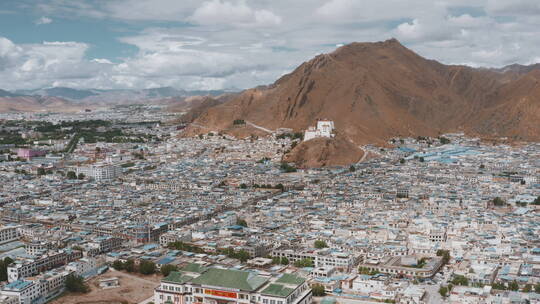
324,128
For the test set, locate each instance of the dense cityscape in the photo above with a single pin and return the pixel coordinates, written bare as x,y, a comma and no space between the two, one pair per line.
117,206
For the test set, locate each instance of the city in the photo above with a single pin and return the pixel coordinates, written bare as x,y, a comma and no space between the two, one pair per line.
212,219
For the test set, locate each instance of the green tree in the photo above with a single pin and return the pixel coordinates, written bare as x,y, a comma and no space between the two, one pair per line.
498,286
285,167
118,265
319,244
482,166
71,175
167,269
460,280
527,288
445,254
243,256
41,171
80,176
444,140
318,290
243,186
352,168
537,201
241,222
304,263
3,268
284,261
537,288
75,283
514,286
129,266
402,161
498,202
443,291
147,267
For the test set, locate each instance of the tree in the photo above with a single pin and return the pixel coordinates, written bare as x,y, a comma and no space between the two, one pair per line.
80,176
147,267
285,167
71,175
167,269
319,244
41,171
129,266
75,283
444,140
3,268
352,168
402,161
537,288
482,166
243,186
422,159
443,291
460,280
514,286
527,288
537,201
118,265
304,263
317,290
498,202
243,256
445,255
284,261
241,222
498,286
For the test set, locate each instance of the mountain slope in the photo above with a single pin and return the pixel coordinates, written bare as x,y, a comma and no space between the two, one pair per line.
374,91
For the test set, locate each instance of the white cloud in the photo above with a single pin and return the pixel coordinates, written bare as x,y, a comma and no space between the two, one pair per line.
244,43
43,20
233,13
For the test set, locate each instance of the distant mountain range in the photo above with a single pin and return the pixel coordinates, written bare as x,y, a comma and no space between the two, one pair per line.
70,99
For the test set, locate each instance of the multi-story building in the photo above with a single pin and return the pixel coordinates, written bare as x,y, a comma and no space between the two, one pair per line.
100,172
320,258
226,286
8,234
21,269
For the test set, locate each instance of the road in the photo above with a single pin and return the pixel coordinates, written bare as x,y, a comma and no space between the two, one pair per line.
259,127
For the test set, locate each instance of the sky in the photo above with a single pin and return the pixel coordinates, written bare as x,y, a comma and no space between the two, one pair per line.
238,44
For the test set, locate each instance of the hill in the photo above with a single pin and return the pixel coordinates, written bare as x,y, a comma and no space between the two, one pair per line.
375,91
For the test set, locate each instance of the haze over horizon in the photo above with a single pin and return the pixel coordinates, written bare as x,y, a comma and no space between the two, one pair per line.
219,44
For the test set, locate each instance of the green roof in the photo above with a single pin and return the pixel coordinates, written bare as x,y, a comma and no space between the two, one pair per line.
192,267
290,279
229,278
277,290
177,277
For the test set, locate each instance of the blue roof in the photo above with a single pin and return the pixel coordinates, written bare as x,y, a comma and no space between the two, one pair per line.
165,260
18,285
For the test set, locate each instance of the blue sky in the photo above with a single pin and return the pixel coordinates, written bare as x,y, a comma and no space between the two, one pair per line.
216,44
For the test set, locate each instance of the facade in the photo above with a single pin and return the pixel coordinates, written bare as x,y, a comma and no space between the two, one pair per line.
31,267
324,258
401,266
29,153
100,172
227,286
325,128
8,234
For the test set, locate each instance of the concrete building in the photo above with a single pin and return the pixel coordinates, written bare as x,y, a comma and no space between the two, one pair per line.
8,234
324,128
100,172
195,284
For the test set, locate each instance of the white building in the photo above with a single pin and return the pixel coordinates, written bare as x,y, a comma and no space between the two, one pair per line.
100,172
8,234
325,128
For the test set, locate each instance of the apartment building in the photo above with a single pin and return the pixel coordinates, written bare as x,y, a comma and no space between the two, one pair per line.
9,234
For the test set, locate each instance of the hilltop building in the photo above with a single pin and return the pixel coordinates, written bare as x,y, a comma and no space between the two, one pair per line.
324,128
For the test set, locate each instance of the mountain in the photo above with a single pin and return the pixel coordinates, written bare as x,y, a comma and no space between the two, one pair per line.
375,91
32,100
